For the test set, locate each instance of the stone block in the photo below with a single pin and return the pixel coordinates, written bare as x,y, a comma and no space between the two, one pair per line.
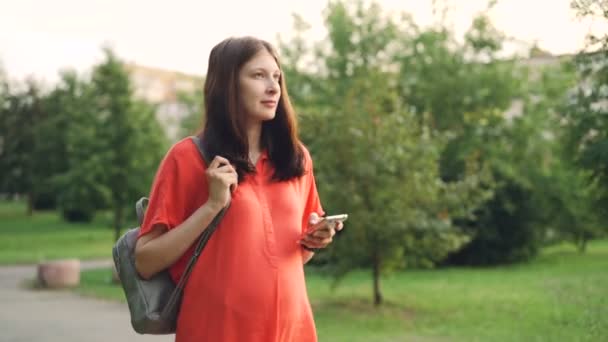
59,273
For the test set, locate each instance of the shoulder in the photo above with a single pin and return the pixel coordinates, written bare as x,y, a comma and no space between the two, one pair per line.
184,152
305,151
181,157
306,158
184,147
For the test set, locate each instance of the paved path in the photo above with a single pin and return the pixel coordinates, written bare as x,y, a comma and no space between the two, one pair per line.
60,316
63,316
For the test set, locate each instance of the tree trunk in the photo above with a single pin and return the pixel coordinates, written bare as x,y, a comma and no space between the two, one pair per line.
376,273
30,204
376,262
582,244
118,219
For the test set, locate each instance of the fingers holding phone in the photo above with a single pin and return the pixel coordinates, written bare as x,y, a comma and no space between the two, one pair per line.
326,223
321,230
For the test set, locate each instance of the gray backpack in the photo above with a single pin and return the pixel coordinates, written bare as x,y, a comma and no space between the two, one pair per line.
154,303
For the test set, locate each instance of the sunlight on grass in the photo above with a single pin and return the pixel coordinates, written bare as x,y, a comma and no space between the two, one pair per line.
559,296
45,236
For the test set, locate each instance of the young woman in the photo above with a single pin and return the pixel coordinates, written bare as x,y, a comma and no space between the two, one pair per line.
248,285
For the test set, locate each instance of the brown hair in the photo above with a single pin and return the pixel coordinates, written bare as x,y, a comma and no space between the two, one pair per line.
224,130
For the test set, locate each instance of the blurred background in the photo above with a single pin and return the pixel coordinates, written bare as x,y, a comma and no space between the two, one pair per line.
467,140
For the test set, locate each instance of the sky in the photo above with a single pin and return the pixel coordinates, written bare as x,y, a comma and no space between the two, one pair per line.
40,37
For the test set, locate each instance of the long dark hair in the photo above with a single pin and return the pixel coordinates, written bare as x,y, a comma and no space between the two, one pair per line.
224,131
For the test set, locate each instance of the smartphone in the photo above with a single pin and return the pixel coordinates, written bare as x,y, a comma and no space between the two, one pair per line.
330,219
334,218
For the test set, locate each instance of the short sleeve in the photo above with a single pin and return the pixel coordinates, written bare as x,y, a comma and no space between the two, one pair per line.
312,200
166,196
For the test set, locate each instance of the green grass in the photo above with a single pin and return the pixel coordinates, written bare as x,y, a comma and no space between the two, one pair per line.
559,296
98,283
45,236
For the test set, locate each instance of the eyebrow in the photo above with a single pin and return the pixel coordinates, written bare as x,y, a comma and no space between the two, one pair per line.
264,69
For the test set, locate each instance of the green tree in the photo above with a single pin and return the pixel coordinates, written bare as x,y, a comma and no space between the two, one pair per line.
373,157
73,149
562,199
20,114
522,152
5,121
585,118
131,140
460,86
467,89
573,211
193,105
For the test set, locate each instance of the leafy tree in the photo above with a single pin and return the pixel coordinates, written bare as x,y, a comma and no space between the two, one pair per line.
374,158
467,89
524,159
562,199
193,103
73,149
571,199
21,112
5,121
131,140
459,85
585,118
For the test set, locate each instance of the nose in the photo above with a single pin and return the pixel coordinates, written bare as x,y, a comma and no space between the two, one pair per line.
273,87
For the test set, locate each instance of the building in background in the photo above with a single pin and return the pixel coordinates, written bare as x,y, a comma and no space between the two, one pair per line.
162,88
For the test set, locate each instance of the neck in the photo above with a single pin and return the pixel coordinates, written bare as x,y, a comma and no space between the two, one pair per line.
254,135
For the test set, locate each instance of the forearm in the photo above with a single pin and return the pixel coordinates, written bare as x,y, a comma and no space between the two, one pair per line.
162,251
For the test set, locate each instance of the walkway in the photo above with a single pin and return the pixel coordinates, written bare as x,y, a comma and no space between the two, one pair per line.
60,316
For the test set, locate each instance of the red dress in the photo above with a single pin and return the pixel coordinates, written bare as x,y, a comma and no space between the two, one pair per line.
248,284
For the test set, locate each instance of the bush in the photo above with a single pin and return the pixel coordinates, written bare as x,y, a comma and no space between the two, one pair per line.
78,215
44,199
80,198
505,230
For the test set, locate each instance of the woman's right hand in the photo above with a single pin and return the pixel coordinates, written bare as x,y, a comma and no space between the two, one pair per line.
222,179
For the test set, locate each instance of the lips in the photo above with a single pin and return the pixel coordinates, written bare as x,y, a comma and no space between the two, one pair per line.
269,103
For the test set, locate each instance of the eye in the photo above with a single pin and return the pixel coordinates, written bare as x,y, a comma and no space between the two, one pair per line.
258,75
277,77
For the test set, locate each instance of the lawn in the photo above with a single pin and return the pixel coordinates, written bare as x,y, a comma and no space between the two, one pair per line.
559,296
45,236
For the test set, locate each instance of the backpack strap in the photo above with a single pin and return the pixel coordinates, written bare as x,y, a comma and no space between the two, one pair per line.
216,220
140,209
199,145
142,203
204,238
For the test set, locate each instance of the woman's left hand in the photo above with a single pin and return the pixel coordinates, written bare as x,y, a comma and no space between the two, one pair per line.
320,233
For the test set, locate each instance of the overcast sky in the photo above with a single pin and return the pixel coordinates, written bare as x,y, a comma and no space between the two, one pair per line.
39,37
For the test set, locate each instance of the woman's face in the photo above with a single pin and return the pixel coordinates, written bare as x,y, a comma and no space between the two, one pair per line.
259,88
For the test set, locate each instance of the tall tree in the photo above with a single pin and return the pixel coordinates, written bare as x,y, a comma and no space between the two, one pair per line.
73,149
5,122
131,138
20,114
373,158
193,105
586,116
469,90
